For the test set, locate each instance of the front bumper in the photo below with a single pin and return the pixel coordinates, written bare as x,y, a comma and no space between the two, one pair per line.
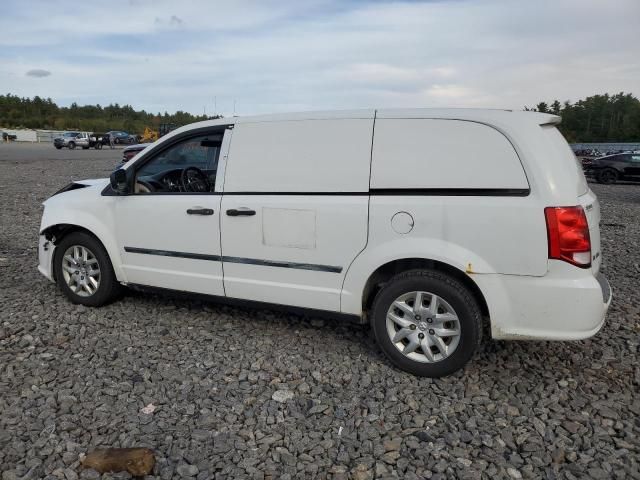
45,258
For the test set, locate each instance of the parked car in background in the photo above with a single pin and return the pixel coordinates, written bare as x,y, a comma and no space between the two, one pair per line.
238,209
120,137
7,137
611,168
65,139
131,151
72,140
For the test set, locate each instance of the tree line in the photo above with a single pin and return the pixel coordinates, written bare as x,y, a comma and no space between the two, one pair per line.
600,118
39,112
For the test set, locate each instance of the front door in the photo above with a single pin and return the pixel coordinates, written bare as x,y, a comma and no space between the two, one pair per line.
169,229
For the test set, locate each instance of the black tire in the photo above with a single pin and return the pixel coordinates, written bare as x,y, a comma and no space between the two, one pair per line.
116,141
607,176
447,288
59,148
98,146
72,145
108,289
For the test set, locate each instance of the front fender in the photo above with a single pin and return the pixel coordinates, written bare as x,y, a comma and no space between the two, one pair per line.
402,248
87,209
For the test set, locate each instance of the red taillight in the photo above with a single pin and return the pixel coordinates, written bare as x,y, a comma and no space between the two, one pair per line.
568,235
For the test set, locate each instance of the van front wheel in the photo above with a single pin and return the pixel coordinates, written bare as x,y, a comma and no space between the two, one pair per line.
83,270
427,323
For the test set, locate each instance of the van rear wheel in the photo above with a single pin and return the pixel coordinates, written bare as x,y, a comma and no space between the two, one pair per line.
427,323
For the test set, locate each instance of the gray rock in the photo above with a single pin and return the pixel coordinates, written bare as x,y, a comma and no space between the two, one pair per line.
89,474
282,395
185,470
513,473
70,474
572,416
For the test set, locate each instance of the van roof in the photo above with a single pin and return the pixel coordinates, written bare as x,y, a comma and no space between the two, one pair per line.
482,115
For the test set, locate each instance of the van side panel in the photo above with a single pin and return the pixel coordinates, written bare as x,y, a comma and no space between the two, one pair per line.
436,153
300,156
307,184
477,235
465,189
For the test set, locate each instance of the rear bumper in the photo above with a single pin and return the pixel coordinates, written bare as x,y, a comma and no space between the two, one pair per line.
568,303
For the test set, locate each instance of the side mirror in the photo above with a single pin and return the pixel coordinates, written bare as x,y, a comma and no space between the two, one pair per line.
118,181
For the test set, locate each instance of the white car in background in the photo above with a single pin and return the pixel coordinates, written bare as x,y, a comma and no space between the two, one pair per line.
427,224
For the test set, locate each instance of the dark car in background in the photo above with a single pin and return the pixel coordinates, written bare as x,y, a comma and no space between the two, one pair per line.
121,137
131,151
611,168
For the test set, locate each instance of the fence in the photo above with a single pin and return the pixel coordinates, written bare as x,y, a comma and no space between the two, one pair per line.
26,135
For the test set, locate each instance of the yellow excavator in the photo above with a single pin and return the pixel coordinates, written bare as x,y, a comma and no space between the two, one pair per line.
149,136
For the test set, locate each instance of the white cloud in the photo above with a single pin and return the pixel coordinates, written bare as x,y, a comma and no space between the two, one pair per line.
449,91
278,56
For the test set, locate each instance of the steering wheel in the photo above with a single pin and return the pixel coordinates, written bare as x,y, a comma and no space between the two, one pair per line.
194,180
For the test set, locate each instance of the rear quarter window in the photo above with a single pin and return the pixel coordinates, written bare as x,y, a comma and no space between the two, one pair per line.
432,153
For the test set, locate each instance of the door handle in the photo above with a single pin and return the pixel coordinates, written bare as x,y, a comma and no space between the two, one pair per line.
241,212
200,211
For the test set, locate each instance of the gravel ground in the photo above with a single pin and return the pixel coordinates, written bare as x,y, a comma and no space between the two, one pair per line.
255,394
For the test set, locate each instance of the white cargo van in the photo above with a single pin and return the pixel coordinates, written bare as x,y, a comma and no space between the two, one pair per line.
428,224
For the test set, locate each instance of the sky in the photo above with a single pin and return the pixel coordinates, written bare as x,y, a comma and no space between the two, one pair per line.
287,55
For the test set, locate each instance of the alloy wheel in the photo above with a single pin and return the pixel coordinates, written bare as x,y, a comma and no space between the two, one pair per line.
423,327
81,270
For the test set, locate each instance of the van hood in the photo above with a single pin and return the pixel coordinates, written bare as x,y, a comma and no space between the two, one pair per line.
93,181
78,184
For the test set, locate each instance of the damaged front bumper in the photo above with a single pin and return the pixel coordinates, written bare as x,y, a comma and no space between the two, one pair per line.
45,257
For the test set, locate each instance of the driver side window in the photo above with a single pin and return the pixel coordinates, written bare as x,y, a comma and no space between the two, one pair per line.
188,166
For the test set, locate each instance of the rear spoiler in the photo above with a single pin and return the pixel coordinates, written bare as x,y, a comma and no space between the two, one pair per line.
550,119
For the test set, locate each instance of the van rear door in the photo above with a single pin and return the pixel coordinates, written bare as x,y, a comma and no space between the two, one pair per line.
586,198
